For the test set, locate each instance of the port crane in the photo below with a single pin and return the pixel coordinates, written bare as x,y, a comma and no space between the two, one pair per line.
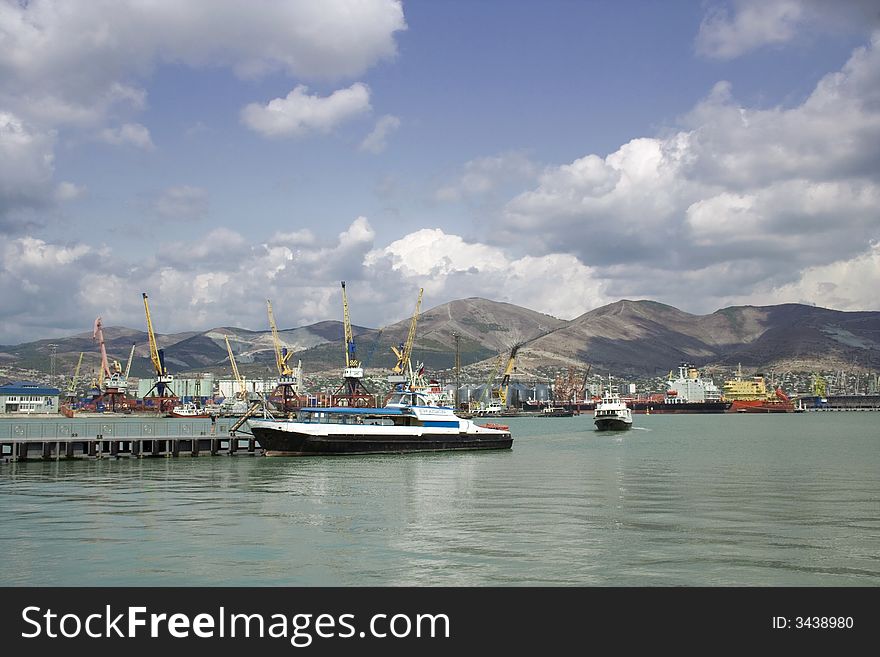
98,336
289,379
352,392
157,356
403,370
505,378
71,388
242,385
485,402
111,382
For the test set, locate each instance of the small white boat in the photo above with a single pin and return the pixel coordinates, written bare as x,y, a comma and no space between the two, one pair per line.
189,410
611,413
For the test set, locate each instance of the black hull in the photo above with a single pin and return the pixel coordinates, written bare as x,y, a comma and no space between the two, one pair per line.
612,424
289,443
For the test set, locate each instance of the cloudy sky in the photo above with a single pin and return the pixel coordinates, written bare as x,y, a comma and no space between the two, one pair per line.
557,155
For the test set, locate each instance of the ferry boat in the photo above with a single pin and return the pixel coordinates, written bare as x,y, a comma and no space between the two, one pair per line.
612,413
409,422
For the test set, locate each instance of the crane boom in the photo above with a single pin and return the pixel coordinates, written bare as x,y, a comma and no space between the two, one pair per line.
505,380
71,389
128,365
351,360
405,351
242,386
281,353
154,346
487,392
98,334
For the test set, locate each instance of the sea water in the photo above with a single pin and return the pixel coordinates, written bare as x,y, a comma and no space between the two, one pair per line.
693,500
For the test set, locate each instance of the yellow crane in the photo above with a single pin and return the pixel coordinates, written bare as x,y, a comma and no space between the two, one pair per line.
353,392
71,389
157,356
242,385
288,378
404,351
353,369
486,396
819,385
281,353
505,379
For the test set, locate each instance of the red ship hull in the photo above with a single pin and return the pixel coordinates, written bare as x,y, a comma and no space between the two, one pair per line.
761,406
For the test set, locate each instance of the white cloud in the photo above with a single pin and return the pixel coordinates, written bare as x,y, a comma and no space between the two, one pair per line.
449,267
26,165
377,140
755,24
485,175
79,57
182,202
132,134
68,191
299,113
849,284
737,200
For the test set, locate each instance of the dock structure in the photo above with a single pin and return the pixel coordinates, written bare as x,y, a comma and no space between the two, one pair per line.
841,403
58,441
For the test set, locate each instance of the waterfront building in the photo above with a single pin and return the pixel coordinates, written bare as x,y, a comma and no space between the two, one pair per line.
28,397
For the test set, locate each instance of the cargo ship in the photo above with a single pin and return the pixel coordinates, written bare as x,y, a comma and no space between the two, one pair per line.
686,393
750,395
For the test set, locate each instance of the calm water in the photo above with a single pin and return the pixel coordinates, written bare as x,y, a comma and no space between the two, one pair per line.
719,500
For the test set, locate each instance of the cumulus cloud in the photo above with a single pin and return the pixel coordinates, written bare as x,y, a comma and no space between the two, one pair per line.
484,175
130,134
83,65
738,199
449,267
70,55
753,24
39,275
300,113
194,287
377,140
26,166
182,202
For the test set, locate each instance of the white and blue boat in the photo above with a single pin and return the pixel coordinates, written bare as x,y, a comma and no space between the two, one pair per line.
409,422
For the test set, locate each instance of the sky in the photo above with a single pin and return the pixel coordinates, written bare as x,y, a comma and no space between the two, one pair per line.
557,155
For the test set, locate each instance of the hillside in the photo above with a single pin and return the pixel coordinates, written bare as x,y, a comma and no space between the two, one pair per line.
642,338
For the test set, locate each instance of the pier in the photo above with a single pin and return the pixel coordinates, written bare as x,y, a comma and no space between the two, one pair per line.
51,441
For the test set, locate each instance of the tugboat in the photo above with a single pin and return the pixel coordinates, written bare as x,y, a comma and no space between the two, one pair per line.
612,414
409,422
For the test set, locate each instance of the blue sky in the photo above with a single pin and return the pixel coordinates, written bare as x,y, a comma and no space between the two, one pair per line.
556,155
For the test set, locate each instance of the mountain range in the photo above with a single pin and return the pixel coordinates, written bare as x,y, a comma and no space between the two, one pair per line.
636,338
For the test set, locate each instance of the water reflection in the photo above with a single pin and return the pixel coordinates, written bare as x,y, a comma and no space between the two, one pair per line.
691,501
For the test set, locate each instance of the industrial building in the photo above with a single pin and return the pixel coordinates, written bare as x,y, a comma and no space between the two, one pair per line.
28,397
187,389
